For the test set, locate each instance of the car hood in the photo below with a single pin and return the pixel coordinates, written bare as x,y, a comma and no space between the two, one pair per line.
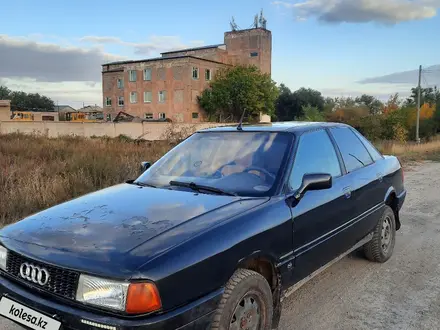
106,225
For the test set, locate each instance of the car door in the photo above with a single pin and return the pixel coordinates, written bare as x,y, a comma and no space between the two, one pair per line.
364,180
319,215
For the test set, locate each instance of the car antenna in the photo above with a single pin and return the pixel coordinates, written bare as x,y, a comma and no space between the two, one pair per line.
240,124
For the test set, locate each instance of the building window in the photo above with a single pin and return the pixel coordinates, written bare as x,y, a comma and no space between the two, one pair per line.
254,54
162,96
195,115
207,74
121,101
132,75
109,117
120,83
108,101
147,74
133,97
195,73
148,116
162,115
148,97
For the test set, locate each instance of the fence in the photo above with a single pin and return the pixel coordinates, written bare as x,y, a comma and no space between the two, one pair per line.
147,131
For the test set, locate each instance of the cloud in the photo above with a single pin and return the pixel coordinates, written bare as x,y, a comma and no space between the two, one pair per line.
23,58
363,11
431,77
155,44
74,93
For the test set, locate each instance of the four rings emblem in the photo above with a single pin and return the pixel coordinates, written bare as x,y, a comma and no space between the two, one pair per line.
34,273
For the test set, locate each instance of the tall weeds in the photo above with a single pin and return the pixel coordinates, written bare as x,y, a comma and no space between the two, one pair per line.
37,172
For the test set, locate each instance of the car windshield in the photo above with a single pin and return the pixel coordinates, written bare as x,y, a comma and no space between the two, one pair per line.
242,163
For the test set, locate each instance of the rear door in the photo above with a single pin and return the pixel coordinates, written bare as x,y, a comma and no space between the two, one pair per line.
319,215
363,179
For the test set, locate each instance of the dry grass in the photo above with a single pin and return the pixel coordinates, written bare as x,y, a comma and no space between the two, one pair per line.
412,151
37,172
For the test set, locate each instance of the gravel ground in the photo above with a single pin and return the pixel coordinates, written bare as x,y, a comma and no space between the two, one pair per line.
402,294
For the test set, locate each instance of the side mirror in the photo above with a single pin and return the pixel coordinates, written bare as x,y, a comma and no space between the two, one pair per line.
145,166
316,181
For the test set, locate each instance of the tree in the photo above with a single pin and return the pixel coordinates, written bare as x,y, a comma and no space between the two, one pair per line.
289,106
236,89
26,101
312,114
373,104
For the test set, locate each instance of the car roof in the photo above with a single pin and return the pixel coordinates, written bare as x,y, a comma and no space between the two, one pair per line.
297,127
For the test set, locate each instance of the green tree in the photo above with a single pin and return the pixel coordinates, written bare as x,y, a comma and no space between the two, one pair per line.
26,101
236,89
311,114
372,103
289,106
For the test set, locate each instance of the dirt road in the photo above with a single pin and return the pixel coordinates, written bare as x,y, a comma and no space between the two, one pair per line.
402,294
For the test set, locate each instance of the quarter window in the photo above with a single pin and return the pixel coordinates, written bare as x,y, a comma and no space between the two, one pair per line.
315,154
354,153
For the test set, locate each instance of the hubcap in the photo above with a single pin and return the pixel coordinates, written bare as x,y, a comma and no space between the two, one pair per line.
246,314
386,235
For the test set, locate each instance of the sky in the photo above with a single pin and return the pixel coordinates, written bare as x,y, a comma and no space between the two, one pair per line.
339,47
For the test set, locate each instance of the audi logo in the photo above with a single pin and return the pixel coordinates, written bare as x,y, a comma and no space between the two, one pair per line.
34,274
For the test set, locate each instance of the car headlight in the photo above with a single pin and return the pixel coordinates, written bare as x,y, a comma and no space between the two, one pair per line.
3,257
133,298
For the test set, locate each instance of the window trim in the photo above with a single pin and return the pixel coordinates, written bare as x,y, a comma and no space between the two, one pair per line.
164,115
129,75
148,113
198,73
210,74
164,96
151,74
135,93
107,98
123,101
121,85
295,150
151,93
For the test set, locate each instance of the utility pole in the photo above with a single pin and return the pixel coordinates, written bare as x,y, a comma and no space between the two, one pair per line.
418,104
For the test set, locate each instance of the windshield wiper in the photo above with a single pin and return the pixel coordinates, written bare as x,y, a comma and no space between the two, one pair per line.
198,187
140,184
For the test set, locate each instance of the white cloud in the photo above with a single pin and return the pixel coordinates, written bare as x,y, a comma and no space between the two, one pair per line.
68,74
363,11
431,77
155,44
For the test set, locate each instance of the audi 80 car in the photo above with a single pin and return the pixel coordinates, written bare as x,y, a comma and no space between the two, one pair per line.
211,236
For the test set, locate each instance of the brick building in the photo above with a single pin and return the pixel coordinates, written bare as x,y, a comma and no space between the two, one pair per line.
168,86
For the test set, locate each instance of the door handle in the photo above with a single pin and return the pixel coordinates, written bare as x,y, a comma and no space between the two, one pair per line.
347,192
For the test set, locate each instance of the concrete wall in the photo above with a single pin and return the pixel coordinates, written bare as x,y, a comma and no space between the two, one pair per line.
147,131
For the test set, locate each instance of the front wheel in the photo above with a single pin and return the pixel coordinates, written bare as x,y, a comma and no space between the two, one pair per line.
246,303
381,247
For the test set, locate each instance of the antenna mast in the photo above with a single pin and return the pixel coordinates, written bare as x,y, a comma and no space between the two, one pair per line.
234,26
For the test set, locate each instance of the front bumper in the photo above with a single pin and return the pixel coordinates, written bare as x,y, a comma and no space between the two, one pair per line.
196,315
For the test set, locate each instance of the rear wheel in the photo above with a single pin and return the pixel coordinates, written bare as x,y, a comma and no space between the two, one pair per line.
381,247
246,303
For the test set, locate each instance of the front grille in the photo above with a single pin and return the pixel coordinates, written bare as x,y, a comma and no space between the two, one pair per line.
62,282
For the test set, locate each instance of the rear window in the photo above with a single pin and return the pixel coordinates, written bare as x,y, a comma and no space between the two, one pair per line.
354,153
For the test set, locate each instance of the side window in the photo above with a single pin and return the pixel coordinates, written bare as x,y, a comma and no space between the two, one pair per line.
354,153
315,154
371,149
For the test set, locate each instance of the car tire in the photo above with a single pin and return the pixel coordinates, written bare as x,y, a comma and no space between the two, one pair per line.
246,303
381,247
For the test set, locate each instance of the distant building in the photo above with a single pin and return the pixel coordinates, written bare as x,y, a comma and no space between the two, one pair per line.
5,110
62,110
168,86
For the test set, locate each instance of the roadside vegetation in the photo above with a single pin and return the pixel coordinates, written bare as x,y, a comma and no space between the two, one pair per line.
37,172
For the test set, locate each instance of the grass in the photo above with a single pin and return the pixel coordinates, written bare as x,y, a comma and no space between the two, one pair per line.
38,172
411,151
